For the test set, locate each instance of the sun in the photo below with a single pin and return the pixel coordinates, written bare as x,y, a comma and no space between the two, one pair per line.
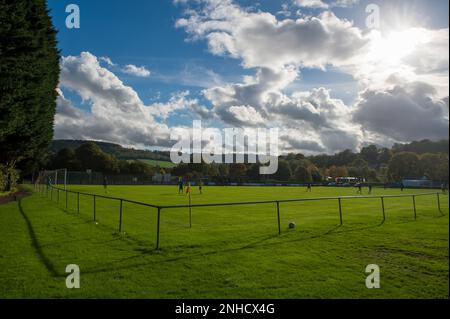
394,46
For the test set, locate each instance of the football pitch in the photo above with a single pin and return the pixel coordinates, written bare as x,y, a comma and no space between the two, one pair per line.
230,251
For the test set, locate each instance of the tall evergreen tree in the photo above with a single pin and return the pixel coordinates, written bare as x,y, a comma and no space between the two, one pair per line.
29,72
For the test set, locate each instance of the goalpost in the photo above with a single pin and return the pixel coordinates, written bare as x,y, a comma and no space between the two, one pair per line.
53,177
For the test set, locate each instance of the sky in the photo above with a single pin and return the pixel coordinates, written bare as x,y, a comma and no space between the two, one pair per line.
331,75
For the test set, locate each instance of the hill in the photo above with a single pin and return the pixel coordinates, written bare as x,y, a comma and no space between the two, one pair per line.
157,163
423,146
113,149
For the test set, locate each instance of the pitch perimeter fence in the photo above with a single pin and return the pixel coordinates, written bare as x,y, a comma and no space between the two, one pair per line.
53,192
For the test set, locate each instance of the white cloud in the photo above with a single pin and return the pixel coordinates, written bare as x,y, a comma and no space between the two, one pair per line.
245,115
415,54
260,40
107,60
278,49
394,104
311,4
117,114
139,71
344,3
306,116
324,4
178,101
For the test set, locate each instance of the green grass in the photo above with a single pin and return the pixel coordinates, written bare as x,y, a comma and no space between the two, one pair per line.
155,163
230,252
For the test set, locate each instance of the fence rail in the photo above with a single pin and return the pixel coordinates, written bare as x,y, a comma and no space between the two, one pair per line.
49,188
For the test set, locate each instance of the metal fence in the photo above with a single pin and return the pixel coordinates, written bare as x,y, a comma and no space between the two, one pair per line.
54,193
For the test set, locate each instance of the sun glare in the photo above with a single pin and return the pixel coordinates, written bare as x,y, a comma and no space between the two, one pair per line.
391,48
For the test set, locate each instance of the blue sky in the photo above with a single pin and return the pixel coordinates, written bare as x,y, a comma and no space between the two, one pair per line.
144,34
141,33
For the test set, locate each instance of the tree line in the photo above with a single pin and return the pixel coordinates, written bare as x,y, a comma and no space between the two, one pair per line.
298,168
90,156
372,163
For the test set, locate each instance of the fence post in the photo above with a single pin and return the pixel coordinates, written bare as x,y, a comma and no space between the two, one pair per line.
95,218
439,203
157,227
382,207
340,210
278,216
78,202
120,222
414,205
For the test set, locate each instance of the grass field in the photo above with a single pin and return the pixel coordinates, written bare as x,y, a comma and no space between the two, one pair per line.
154,163
230,252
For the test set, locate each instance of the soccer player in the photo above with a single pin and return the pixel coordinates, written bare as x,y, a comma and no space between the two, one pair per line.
180,186
308,187
105,183
200,186
370,188
359,189
188,188
402,187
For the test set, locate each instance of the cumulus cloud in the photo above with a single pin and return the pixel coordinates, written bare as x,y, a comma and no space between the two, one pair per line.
117,114
431,54
297,144
406,112
403,78
261,40
415,54
139,71
311,4
278,49
178,101
65,107
309,116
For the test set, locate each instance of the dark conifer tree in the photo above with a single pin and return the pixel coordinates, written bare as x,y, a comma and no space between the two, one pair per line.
29,73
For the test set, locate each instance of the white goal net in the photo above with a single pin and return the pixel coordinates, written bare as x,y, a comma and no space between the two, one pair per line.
57,177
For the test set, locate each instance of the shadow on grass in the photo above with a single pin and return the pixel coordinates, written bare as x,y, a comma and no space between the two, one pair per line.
263,241
142,258
36,245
